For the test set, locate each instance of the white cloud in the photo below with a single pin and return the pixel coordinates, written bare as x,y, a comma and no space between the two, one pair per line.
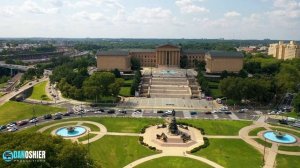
188,6
149,15
232,14
7,11
32,7
289,9
87,3
87,16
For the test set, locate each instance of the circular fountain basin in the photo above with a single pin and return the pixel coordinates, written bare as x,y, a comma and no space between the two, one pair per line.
168,72
286,139
65,133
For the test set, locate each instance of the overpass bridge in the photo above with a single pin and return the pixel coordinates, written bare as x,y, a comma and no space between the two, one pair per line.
17,67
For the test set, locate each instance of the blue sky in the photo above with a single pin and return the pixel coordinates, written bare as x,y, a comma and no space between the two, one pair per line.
230,19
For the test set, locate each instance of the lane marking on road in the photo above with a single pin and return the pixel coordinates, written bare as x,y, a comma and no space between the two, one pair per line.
187,114
233,116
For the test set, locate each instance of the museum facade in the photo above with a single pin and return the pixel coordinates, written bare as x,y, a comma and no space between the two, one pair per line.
169,56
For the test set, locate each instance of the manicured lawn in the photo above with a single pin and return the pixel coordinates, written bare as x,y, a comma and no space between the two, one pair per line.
116,152
255,131
128,82
130,125
287,161
86,137
281,125
15,111
231,153
125,91
174,162
291,114
214,89
39,91
290,148
219,127
287,131
91,126
262,142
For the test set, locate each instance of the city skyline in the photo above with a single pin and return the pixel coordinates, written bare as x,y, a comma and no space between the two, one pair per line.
191,19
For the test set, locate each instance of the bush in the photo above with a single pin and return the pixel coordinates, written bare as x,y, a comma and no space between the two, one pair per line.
205,145
190,125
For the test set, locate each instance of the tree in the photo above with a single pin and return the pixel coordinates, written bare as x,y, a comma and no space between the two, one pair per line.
224,74
243,73
296,103
117,73
288,78
59,152
200,65
184,61
135,63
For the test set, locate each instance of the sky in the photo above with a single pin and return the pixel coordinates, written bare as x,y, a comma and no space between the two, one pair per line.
229,19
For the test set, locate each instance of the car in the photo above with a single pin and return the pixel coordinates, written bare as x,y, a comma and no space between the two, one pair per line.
11,124
59,113
12,129
283,121
228,112
224,108
34,120
2,127
47,116
98,112
23,122
122,111
138,110
66,114
30,83
111,111
164,115
101,110
169,112
57,117
208,112
160,111
193,112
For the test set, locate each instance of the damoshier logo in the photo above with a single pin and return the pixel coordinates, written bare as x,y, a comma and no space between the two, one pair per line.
36,156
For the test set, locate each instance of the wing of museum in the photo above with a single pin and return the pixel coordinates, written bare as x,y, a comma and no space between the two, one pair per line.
169,56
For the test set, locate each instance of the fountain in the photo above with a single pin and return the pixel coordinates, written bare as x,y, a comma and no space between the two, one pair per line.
280,137
173,129
71,131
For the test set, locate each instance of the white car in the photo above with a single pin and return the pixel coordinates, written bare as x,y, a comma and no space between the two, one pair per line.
34,120
224,108
169,112
97,112
12,129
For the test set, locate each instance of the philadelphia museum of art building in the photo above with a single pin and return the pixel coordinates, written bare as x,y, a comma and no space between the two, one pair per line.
169,56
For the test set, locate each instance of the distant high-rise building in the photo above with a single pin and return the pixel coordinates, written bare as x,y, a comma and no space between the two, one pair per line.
284,51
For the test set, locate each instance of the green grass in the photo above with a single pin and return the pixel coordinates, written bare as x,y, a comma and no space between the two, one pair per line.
91,126
2,85
290,148
255,131
287,131
128,82
262,142
39,91
219,127
15,111
231,153
116,152
285,126
292,114
214,89
287,161
174,162
130,125
125,91
86,137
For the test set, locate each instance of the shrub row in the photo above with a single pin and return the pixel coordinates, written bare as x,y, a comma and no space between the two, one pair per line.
205,145
141,139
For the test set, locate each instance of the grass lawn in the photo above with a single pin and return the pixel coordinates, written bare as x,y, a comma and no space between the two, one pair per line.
2,85
86,137
91,126
287,161
174,162
125,91
214,89
290,148
219,127
116,152
128,82
39,91
281,125
255,131
231,153
262,142
15,111
291,114
287,131
130,125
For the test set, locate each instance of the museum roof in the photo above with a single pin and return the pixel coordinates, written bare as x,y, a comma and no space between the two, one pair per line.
113,53
194,51
168,46
231,54
141,50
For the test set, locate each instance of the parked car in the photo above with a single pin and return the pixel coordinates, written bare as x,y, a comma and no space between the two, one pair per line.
12,129
59,113
224,108
138,110
228,112
169,112
57,117
47,116
122,111
98,112
23,122
33,120
283,121
193,113
208,112
111,111
11,124
2,127
101,110
160,111
66,114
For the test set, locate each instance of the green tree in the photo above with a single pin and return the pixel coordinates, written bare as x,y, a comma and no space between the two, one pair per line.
288,78
135,63
117,73
296,103
184,61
